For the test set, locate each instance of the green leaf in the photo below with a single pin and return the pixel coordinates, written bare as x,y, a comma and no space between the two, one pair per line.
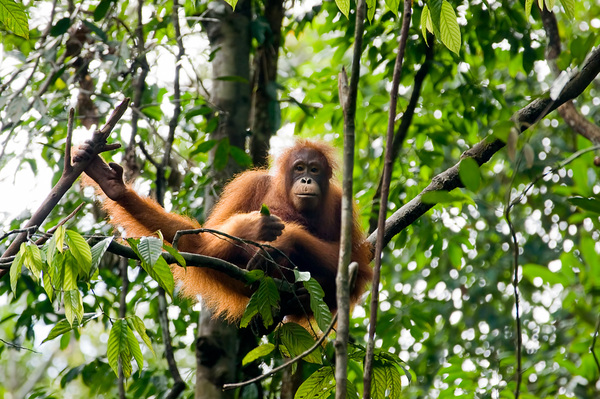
530,271
205,146
344,6
435,10
468,171
240,156
264,210
13,16
59,236
297,340
118,346
48,283
73,305
441,197
101,9
321,384
80,250
98,252
262,302
449,29
393,5
33,259
258,352
175,253
549,4
71,271
232,3
221,154
161,272
150,249
528,5
569,6
139,326
320,309
16,267
587,204
134,348
425,20
64,326
60,27
371,6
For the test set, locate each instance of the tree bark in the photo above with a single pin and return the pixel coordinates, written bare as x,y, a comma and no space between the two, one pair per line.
265,103
229,36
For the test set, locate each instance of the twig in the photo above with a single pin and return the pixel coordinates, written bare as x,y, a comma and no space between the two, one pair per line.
277,369
387,174
68,177
18,347
28,230
593,345
353,270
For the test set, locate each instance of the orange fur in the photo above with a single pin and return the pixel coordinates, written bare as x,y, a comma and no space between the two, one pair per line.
311,242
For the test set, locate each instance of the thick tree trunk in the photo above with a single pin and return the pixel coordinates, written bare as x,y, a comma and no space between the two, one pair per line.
265,103
229,35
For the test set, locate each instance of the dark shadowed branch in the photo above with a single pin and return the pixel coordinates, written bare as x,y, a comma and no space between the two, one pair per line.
485,149
348,94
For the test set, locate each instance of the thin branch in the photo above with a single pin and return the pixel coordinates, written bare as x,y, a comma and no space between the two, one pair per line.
485,149
68,178
67,165
348,95
17,347
353,271
277,369
387,175
593,345
405,124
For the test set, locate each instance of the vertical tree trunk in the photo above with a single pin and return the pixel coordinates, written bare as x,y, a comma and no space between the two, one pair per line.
229,35
265,103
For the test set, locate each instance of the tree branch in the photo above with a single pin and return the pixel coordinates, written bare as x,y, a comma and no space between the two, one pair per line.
68,177
385,188
485,149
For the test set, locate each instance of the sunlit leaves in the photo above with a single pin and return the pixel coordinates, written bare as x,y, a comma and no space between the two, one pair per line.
468,171
149,250
122,346
258,352
73,305
344,6
321,384
262,302
439,17
449,30
297,340
320,309
13,16
569,6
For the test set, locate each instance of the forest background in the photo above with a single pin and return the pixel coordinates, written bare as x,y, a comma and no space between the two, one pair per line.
491,273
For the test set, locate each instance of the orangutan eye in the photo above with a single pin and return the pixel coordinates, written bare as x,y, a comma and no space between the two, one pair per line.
314,170
299,168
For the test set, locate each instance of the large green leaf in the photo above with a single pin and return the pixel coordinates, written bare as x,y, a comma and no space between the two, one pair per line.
297,340
80,249
13,16
449,29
